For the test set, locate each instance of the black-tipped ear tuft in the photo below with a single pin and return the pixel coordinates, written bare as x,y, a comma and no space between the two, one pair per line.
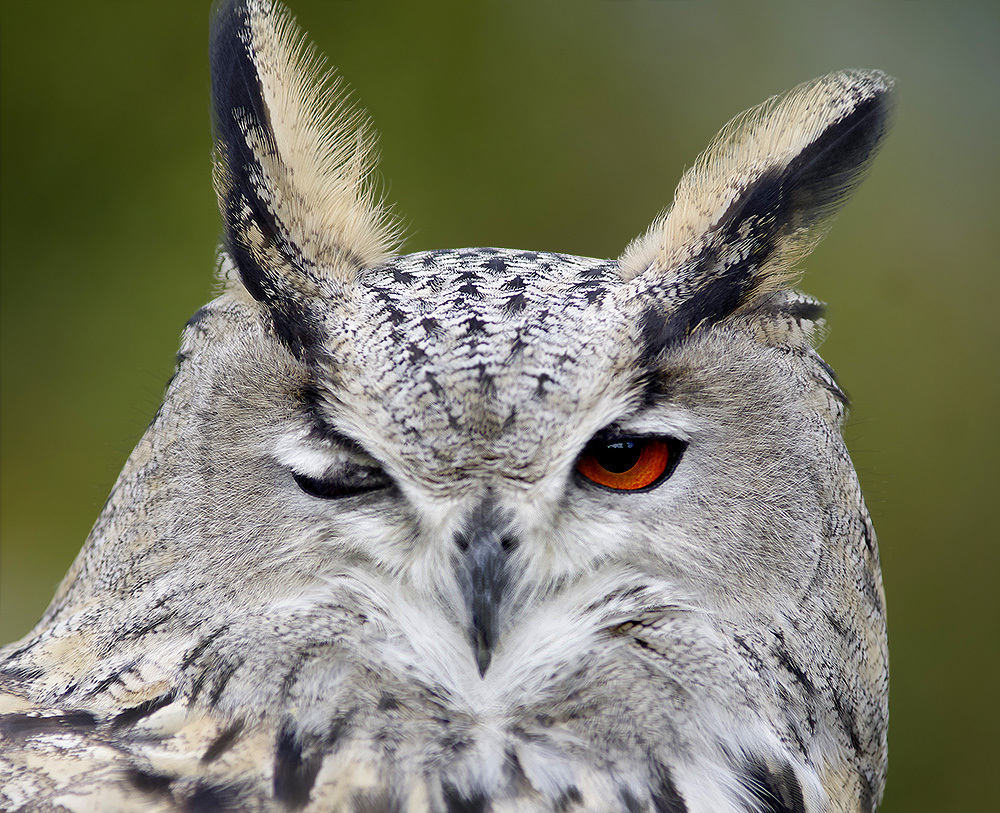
292,168
760,197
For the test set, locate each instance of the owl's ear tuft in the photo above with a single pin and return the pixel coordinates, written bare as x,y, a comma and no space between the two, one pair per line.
293,164
760,197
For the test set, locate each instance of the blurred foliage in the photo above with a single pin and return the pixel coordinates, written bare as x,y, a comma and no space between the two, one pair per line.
549,124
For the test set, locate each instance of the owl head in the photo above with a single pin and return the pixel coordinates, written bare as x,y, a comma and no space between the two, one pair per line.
599,510
489,425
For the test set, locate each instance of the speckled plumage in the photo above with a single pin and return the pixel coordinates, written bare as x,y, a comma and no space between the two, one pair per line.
355,563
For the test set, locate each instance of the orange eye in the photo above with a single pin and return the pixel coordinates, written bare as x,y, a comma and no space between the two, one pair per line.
625,465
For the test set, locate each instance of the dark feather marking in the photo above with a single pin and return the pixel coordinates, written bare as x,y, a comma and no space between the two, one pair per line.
21,674
387,702
514,769
838,626
826,368
809,188
311,399
294,771
804,310
132,715
835,390
211,798
496,265
515,304
517,345
105,684
776,792
658,332
791,665
430,325
869,538
223,742
236,89
828,382
31,644
666,797
828,168
867,802
869,584
195,653
794,722
632,804
25,725
457,802
542,379
223,676
661,383
749,653
148,782
568,799
197,685
150,625
396,318
164,598
453,742
338,727
848,719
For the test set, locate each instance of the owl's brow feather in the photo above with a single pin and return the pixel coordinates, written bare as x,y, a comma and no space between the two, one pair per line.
311,403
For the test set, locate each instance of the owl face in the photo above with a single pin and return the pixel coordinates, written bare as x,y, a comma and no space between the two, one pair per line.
485,430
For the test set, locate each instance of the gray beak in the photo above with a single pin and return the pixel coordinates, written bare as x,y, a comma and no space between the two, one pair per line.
484,577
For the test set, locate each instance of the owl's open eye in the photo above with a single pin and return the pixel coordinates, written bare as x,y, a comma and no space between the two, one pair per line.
629,464
346,481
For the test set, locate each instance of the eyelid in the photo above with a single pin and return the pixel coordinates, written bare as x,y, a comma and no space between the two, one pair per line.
357,481
613,433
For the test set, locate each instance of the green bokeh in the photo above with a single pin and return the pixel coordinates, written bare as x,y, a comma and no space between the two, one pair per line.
535,124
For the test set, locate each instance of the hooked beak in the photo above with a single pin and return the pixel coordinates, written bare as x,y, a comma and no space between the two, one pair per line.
483,574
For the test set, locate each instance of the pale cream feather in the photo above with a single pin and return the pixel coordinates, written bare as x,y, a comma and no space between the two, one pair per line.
320,183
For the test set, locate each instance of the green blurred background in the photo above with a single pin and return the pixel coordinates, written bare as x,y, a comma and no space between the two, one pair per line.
558,125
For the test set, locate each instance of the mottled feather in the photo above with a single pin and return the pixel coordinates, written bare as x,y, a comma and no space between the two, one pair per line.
357,563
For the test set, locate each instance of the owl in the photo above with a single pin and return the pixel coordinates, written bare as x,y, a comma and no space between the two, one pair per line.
477,529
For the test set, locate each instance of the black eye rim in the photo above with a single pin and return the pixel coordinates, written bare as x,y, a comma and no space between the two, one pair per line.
336,488
675,446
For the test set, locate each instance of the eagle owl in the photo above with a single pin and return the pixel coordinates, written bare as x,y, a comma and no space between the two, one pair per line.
477,529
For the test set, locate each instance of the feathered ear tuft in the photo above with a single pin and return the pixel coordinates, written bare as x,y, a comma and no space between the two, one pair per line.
762,194
293,161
